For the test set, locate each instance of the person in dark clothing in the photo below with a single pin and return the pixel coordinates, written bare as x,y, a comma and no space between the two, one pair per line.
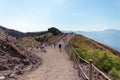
60,46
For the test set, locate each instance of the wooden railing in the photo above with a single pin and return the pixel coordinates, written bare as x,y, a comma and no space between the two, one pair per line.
81,73
80,63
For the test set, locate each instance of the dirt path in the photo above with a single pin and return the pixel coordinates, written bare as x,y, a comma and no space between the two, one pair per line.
56,65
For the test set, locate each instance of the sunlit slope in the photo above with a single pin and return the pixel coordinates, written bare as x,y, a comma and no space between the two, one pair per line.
104,57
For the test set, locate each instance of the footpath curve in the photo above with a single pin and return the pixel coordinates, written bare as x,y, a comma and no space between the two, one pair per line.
55,65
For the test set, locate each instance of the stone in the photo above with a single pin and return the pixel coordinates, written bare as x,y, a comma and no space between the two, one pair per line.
11,75
2,77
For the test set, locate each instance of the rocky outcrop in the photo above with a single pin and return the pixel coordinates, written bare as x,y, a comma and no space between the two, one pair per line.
14,60
54,31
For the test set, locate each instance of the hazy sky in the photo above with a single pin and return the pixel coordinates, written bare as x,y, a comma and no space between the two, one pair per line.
38,15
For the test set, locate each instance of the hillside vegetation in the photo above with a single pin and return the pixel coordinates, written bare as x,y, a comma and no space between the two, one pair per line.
29,41
104,58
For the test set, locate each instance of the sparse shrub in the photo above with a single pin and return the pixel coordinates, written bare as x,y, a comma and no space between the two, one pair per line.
103,60
71,54
114,73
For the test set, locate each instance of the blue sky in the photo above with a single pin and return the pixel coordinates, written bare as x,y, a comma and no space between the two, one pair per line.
39,15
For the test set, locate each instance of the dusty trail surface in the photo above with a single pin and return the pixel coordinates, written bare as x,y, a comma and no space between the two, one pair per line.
55,66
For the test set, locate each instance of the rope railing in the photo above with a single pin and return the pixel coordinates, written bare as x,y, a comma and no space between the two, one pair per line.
76,62
106,77
94,67
79,60
83,75
80,70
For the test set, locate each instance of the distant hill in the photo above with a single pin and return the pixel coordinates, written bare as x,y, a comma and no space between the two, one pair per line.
109,37
12,32
18,34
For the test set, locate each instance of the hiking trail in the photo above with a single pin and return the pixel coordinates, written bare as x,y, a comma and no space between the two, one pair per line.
55,65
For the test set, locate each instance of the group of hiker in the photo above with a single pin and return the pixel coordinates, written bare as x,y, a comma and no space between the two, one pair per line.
42,46
38,46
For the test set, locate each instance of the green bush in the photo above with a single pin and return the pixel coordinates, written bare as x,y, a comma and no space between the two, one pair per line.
70,54
103,60
114,73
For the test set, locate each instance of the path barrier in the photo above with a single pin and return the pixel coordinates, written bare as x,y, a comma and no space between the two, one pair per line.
86,70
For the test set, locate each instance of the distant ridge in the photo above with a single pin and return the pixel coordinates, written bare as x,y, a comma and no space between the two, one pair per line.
12,32
108,37
18,34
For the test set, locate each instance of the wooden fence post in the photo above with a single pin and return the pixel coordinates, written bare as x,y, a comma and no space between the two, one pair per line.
90,69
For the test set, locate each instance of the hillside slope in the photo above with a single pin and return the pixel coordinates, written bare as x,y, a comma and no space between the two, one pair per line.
14,60
84,41
104,57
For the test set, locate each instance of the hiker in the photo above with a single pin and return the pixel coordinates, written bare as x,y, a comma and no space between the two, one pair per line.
54,45
60,46
37,47
43,48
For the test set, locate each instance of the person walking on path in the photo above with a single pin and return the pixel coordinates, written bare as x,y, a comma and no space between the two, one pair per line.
41,47
54,45
37,46
44,47
60,46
